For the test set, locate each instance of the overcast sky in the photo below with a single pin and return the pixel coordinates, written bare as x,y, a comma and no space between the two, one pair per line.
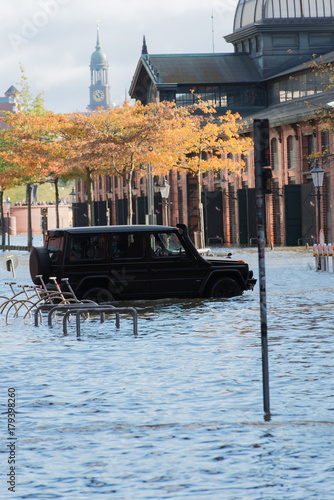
54,40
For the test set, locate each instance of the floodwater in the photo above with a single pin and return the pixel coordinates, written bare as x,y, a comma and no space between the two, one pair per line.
177,411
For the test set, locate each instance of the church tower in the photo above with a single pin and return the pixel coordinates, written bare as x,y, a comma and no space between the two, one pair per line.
99,90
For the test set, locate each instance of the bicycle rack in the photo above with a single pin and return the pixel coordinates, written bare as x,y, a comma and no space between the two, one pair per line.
101,310
36,300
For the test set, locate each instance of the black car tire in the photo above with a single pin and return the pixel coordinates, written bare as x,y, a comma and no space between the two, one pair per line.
226,288
39,263
99,295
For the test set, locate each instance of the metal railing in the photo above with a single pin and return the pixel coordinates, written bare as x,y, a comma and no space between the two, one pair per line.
34,300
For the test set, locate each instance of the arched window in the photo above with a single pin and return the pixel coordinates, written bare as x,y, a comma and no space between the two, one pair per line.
325,145
274,154
290,145
245,159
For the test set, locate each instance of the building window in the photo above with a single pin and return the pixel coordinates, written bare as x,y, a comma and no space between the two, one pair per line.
248,95
291,151
274,154
229,157
307,151
245,159
325,148
184,99
310,144
297,87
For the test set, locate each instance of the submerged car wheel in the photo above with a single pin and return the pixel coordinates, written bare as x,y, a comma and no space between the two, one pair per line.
99,295
39,264
226,288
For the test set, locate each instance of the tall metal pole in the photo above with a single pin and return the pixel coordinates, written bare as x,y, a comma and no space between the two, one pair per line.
3,225
260,210
150,195
319,212
8,229
165,204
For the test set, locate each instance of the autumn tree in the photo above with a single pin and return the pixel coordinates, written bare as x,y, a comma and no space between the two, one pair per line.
80,146
16,172
6,180
211,143
35,150
30,104
123,140
144,138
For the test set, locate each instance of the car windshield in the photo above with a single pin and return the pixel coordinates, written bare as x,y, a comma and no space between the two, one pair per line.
166,245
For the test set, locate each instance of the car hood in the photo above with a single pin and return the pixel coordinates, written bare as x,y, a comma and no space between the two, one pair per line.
222,261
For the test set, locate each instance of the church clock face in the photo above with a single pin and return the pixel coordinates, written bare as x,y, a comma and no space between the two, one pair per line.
98,95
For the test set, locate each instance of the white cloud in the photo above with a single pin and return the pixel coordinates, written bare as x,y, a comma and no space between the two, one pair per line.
54,40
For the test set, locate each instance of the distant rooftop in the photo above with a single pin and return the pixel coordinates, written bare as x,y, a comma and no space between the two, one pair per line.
11,91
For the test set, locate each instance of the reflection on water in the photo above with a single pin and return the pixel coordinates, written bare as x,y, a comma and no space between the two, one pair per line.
177,411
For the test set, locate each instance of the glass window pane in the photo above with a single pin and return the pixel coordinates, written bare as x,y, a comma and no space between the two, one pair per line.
269,10
258,13
87,248
248,12
166,245
328,8
237,18
55,245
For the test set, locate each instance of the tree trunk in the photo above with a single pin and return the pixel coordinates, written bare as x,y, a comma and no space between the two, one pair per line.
57,201
28,191
90,200
129,193
3,227
200,210
128,180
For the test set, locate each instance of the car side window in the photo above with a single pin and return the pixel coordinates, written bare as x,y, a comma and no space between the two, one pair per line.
166,245
127,246
87,248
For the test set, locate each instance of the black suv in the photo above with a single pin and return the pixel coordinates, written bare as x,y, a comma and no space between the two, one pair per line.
106,263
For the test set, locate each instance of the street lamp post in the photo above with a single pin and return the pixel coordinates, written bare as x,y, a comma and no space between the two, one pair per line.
7,208
150,195
318,177
164,190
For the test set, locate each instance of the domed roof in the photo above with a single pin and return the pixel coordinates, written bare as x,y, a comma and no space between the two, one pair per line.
98,57
252,11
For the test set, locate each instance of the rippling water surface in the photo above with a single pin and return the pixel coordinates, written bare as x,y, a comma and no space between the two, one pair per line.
177,412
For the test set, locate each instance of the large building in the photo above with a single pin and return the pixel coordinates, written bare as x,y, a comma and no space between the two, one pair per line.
267,76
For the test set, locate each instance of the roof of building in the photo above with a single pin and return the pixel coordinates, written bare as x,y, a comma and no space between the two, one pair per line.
305,66
11,91
198,69
260,11
294,111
